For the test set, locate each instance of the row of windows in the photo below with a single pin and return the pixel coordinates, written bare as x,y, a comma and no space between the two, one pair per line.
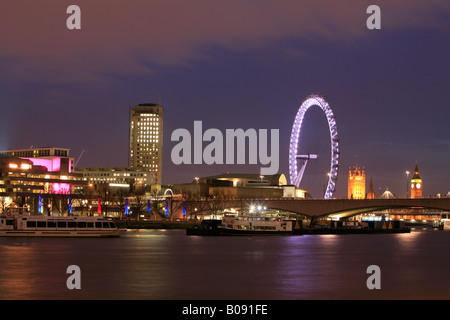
29,190
145,147
61,153
114,174
146,158
147,116
151,140
39,153
148,135
70,224
143,154
149,124
255,227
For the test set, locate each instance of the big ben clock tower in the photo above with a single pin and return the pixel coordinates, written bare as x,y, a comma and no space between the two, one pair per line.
416,184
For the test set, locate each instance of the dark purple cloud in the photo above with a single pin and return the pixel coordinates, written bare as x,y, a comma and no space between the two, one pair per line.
117,36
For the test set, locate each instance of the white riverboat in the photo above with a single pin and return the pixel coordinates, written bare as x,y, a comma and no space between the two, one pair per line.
445,224
17,222
254,224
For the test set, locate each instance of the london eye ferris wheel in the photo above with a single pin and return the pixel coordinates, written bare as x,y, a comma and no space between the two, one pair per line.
298,160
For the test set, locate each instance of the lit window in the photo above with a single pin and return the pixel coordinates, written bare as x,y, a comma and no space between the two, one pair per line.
25,166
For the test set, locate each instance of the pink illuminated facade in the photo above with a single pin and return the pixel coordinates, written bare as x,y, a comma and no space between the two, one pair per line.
24,182
29,179
53,164
61,188
54,159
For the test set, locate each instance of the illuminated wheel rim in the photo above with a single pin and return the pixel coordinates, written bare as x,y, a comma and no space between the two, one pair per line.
315,100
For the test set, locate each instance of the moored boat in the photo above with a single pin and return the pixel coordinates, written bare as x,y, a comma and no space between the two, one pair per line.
254,224
17,222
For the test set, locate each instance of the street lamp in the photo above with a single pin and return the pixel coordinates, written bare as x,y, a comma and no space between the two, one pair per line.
196,179
407,183
261,187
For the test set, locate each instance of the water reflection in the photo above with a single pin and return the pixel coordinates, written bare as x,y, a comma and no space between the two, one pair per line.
17,270
166,264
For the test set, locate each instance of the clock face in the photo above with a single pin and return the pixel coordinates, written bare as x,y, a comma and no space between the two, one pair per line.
418,186
412,185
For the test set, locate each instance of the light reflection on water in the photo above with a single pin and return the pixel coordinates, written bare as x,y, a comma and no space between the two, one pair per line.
167,264
21,257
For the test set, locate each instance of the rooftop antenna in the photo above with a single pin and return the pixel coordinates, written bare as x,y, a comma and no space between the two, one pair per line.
159,99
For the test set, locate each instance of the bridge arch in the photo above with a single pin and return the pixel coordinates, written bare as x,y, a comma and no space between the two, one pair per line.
349,207
342,207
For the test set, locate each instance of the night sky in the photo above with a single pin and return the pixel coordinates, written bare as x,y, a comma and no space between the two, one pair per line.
234,64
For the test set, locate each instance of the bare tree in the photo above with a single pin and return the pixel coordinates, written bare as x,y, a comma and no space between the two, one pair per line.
85,198
139,206
216,203
182,203
196,205
123,202
48,204
157,205
105,198
3,204
202,206
60,202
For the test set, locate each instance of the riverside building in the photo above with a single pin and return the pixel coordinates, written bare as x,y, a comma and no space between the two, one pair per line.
146,140
52,158
33,181
145,153
242,186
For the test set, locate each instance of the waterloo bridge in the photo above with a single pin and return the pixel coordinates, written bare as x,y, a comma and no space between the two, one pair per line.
178,206
342,208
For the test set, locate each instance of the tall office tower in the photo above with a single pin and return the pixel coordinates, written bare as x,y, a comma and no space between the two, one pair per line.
146,140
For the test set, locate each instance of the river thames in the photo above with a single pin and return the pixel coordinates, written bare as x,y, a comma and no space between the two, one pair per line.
168,265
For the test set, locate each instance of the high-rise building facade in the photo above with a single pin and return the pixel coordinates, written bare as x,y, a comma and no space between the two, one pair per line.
416,184
146,140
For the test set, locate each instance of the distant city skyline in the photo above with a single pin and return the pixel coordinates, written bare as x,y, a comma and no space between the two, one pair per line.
234,65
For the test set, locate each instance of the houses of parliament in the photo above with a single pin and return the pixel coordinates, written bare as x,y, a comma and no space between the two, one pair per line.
357,185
